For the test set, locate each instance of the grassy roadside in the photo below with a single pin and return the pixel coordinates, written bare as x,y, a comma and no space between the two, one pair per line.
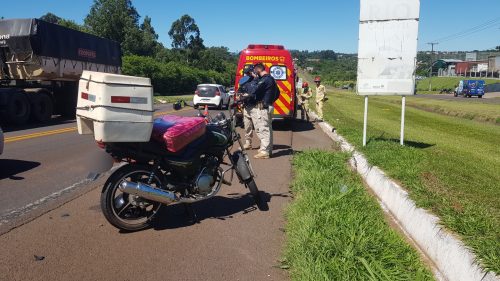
449,165
337,231
464,108
172,99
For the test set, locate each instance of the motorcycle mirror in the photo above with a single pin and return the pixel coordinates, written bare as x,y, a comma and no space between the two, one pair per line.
244,80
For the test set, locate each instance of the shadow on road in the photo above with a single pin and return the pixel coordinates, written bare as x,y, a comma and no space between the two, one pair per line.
281,150
9,168
302,126
221,208
54,121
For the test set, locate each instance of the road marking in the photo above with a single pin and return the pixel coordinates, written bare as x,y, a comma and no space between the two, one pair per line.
67,130
39,134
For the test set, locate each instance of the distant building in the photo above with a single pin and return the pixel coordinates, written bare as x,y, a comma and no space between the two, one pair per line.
444,67
494,64
471,57
465,67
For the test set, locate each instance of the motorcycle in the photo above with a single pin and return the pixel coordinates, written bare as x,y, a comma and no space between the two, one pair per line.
154,177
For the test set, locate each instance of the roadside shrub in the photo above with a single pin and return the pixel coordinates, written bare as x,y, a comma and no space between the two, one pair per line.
171,78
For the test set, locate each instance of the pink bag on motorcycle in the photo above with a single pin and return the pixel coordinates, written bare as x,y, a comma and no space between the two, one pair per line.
176,132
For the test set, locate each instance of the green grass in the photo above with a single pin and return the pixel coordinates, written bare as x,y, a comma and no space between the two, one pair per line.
472,109
172,99
439,83
337,231
449,165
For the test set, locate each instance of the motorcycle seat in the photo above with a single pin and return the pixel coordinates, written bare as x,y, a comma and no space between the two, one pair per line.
176,132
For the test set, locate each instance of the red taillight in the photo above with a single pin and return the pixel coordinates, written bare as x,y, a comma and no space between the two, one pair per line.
217,93
101,144
120,99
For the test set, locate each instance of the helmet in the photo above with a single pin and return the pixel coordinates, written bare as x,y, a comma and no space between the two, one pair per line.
317,79
305,84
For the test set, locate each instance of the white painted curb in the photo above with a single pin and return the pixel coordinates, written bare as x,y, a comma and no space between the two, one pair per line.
452,258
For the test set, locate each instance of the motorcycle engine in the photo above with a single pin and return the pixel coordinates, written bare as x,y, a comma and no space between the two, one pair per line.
206,179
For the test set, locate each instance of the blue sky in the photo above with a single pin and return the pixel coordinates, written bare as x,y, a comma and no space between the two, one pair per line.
305,25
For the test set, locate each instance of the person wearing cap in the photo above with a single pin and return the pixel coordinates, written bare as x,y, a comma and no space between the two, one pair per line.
320,97
305,94
265,94
247,96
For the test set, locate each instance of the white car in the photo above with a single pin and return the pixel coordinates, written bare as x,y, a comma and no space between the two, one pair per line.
211,95
1,141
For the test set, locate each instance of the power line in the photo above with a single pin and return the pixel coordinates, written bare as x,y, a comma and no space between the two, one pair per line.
485,25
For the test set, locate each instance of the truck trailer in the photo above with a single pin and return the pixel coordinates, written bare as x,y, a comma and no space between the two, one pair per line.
41,64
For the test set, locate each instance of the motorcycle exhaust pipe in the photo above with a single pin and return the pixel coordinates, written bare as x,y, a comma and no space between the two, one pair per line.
148,192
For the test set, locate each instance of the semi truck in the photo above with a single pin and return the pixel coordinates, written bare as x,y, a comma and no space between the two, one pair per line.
41,64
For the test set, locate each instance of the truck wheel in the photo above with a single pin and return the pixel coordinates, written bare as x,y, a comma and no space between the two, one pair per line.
42,107
480,96
18,109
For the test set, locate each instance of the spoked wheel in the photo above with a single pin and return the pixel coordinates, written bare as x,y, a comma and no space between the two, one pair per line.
254,191
126,211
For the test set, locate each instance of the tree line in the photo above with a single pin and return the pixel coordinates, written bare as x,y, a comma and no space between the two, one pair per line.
335,69
172,70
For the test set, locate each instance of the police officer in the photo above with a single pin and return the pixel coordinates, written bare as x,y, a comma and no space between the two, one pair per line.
246,93
320,97
265,94
305,95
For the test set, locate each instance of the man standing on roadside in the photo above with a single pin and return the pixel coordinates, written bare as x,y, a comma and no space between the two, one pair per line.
320,97
246,93
265,95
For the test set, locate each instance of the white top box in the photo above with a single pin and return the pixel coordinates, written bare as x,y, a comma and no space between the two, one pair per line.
115,108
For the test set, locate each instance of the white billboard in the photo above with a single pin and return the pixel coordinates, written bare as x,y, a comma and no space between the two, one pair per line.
388,33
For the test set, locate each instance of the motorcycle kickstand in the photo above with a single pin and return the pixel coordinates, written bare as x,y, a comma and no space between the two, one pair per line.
188,208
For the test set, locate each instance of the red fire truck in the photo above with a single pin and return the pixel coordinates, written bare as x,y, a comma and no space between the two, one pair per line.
279,64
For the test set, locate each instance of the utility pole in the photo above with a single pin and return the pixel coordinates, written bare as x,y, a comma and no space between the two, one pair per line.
432,63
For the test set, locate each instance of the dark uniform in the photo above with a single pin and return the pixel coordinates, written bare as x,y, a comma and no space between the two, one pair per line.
247,96
262,113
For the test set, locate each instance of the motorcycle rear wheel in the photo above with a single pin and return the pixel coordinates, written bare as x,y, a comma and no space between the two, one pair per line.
125,211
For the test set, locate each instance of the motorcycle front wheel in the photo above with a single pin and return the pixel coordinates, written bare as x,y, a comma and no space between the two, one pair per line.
126,211
254,191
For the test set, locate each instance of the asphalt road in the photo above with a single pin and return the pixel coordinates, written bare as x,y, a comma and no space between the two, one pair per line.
232,241
493,98
38,164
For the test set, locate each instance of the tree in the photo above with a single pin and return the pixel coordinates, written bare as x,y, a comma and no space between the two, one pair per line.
185,34
112,19
50,17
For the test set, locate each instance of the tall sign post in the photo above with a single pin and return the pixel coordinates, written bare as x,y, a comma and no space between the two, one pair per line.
387,52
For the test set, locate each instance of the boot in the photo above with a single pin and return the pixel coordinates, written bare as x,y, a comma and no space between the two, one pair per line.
262,155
